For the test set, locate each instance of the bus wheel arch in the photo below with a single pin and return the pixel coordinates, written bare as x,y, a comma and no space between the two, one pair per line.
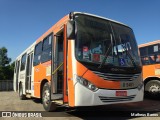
20,90
152,87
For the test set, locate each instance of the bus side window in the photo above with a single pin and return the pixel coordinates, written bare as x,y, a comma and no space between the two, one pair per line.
151,59
157,58
23,62
37,54
145,60
46,47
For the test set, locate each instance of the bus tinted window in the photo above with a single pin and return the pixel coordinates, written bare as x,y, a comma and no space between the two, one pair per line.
46,54
152,49
23,62
37,54
150,54
38,48
143,51
47,42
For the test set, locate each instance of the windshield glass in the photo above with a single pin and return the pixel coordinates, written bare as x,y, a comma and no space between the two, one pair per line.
125,50
102,42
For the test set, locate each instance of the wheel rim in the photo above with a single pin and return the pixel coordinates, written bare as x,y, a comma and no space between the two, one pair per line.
154,88
46,96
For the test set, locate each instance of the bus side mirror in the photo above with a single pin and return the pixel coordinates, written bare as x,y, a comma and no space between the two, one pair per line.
70,30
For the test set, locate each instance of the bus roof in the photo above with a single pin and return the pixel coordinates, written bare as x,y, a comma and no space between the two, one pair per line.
63,20
100,17
149,43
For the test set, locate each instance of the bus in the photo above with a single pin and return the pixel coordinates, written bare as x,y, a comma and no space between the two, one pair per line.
82,60
150,57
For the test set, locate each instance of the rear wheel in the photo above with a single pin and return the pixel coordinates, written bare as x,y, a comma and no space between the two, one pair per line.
47,103
21,95
152,89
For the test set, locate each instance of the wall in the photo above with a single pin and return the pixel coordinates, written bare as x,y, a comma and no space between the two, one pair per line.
6,85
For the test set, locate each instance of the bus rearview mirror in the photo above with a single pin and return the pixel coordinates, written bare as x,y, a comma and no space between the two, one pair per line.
70,30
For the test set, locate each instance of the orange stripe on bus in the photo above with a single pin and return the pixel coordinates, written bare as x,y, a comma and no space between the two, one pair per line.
101,83
71,96
81,69
65,97
95,79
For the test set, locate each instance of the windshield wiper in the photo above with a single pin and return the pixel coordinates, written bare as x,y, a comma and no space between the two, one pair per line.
106,53
129,55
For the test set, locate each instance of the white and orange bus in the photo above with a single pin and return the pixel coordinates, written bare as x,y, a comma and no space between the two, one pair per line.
82,60
150,57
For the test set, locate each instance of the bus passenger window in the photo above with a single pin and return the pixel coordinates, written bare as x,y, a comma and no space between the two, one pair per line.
47,51
157,58
37,54
23,62
151,59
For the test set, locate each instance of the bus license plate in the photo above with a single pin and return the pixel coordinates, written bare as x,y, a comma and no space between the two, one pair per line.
121,93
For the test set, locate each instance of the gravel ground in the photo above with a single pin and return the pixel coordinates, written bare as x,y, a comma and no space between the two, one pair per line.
11,102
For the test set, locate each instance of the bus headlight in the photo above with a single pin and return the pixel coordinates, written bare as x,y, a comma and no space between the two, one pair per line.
86,83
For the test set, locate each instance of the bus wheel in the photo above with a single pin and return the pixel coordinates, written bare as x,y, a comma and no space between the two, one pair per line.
21,95
47,103
152,89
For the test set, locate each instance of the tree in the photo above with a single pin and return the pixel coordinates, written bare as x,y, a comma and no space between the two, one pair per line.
4,60
6,69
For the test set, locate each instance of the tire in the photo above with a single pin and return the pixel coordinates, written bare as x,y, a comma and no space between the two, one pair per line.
152,89
21,95
47,103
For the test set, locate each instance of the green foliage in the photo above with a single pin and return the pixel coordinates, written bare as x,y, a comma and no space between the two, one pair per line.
6,69
4,60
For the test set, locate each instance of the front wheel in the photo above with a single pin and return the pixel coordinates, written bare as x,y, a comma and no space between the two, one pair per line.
47,103
152,89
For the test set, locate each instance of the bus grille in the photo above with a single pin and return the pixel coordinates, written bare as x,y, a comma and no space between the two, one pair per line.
116,99
114,77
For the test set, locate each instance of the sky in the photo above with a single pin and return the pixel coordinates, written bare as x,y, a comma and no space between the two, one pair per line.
24,21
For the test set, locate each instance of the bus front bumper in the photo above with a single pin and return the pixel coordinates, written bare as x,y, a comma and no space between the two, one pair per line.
86,97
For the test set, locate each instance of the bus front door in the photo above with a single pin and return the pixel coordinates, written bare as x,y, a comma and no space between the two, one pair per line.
59,69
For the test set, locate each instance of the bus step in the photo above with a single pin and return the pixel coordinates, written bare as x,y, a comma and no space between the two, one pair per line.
60,102
28,95
57,96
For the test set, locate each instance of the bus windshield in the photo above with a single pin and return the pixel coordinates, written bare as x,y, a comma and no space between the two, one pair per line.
105,43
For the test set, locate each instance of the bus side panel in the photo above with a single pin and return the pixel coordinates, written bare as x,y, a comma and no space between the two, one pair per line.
71,94
41,72
37,80
37,89
81,69
15,81
148,71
